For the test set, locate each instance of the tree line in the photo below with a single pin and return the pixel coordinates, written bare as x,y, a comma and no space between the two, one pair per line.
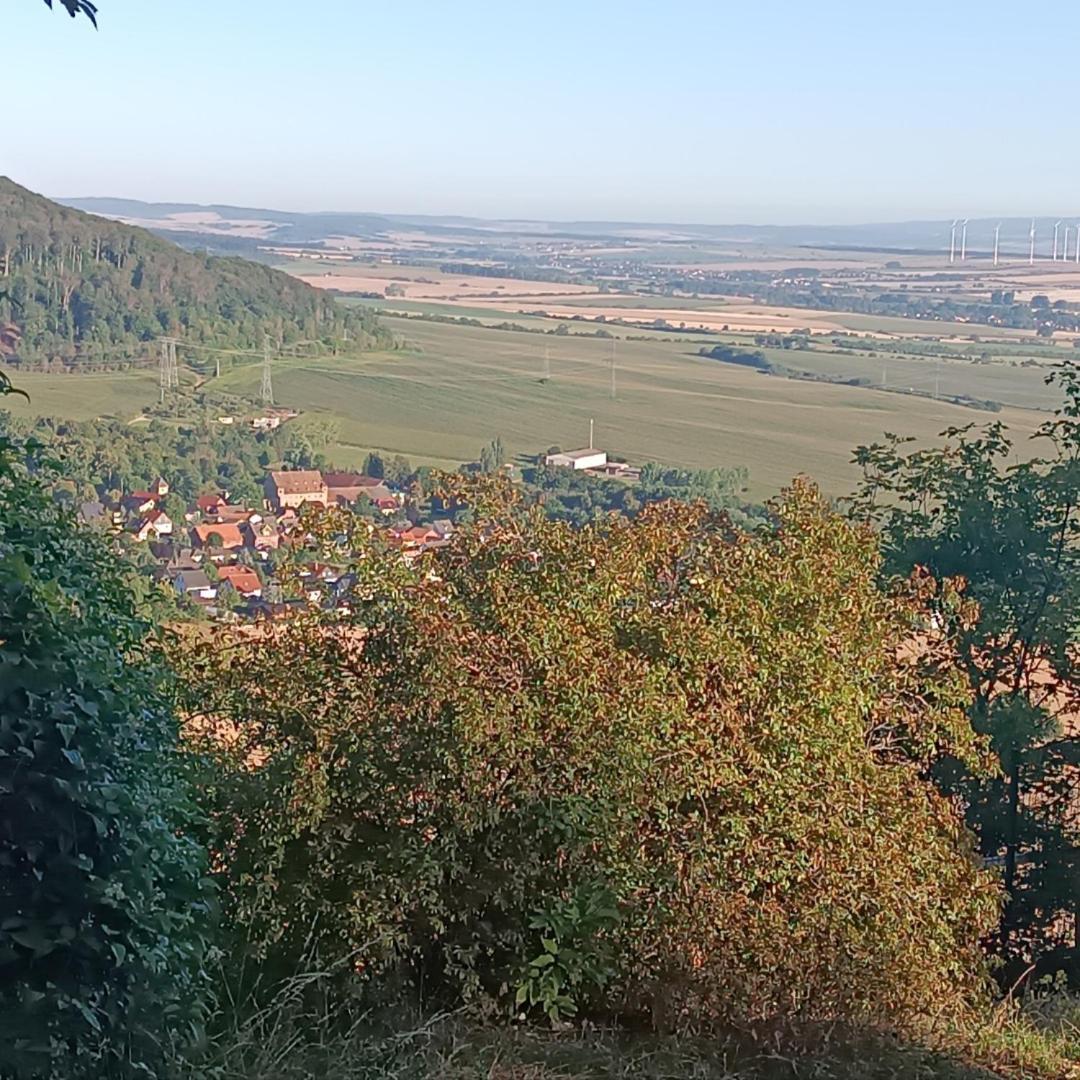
83,290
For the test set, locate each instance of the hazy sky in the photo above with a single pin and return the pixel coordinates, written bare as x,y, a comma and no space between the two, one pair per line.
683,110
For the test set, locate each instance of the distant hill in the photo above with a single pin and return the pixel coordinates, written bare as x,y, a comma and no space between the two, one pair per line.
81,290
243,228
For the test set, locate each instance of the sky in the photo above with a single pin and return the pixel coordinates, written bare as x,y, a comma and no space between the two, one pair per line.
704,111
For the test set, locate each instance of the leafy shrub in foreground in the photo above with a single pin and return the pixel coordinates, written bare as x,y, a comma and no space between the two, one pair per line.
684,763
101,901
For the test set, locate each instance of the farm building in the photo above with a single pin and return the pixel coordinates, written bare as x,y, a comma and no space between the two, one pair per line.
285,489
578,459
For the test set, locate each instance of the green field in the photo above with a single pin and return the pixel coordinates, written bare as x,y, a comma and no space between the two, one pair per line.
453,388
83,397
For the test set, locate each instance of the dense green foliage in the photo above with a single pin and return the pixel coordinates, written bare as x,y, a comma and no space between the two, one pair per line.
732,354
103,901
1011,531
196,456
647,767
86,292
576,497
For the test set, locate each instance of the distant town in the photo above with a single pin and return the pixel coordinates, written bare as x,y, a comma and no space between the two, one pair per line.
222,557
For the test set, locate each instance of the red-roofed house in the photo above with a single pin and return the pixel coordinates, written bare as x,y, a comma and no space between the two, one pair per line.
153,525
416,535
241,578
139,502
344,488
217,534
210,504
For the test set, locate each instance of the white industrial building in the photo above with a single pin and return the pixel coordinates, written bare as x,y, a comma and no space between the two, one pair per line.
578,459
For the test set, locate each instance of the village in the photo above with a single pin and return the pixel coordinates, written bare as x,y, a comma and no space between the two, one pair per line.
222,559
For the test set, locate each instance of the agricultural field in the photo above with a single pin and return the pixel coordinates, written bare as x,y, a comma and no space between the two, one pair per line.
454,388
510,297
83,397
449,389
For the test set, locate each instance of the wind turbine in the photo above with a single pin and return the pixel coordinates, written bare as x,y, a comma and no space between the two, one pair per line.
1031,237
952,241
1077,256
1057,225
963,239
1065,249
997,236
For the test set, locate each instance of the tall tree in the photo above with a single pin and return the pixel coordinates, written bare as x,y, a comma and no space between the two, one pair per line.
1011,531
103,901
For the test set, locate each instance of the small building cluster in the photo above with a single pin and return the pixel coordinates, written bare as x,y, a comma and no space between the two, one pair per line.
592,461
226,557
222,556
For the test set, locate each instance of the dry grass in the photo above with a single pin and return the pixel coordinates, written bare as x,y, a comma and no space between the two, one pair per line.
447,1048
299,1033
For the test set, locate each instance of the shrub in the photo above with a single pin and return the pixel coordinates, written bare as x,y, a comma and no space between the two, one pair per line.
684,763
101,900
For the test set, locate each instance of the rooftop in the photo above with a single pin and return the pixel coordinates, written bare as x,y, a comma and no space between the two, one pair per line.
298,482
575,455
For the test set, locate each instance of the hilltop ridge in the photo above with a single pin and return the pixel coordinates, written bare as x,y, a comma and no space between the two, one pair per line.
82,291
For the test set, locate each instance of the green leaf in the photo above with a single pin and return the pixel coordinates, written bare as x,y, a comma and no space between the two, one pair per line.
34,938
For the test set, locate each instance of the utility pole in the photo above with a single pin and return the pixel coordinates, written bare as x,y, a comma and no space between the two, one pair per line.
590,433
613,369
168,375
266,393
547,363
163,371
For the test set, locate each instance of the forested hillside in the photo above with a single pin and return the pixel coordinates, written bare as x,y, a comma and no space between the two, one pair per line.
78,291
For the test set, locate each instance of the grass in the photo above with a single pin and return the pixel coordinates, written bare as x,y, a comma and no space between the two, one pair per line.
453,388
83,397
456,387
1040,1043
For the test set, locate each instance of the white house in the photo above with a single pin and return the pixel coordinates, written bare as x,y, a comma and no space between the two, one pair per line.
156,524
578,459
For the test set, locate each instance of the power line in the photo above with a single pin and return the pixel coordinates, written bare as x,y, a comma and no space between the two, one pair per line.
266,392
163,371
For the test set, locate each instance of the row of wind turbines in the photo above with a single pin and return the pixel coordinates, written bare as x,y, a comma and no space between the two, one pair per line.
962,224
